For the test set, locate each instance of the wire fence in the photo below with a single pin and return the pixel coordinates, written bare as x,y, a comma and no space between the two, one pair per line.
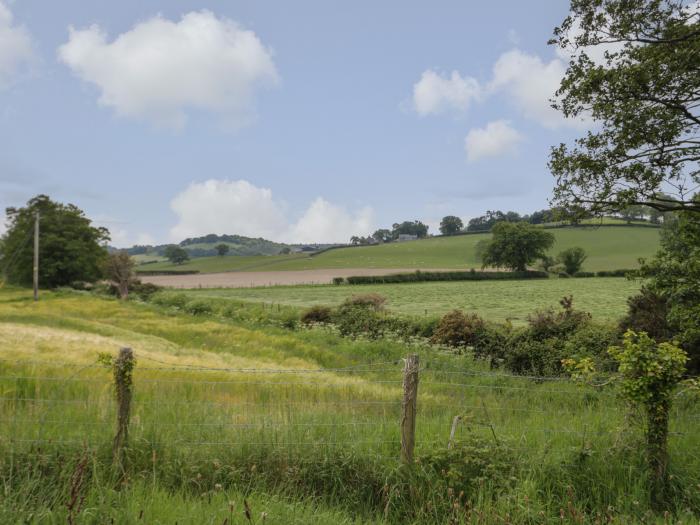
353,409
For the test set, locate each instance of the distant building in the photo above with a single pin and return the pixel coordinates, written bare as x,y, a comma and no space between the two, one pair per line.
406,237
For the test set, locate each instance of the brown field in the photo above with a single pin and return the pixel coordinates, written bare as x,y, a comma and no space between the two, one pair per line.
251,279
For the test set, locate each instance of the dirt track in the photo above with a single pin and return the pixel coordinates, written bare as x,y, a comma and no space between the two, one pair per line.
249,279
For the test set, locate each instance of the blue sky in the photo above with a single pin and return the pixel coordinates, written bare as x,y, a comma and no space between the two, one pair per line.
306,120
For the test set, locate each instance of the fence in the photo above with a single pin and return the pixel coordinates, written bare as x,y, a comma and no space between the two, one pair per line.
391,411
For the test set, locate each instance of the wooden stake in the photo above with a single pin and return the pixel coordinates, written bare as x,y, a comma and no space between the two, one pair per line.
409,406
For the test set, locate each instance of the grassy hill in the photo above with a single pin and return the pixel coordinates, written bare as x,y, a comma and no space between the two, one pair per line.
608,248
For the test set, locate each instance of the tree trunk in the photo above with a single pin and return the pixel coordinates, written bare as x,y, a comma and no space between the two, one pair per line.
657,452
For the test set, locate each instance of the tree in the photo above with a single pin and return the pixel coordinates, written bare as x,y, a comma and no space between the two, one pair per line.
222,249
674,276
176,254
70,248
285,251
119,268
382,235
451,225
572,259
416,228
515,245
644,97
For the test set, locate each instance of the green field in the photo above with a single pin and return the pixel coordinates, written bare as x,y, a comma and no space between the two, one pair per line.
225,410
604,297
608,248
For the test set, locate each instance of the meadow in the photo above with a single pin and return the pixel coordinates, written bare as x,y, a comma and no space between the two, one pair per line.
303,424
604,297
608,248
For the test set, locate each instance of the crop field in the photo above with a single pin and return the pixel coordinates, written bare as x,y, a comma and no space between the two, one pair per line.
608,248
302,424
604,297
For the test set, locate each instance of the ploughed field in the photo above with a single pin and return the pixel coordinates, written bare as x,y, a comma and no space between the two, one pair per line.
608,248
604,297
301,423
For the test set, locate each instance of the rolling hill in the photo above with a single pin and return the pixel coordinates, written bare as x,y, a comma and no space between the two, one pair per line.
608,248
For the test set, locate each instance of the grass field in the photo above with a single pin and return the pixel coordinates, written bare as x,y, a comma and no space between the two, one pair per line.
608,248
604,297
302,446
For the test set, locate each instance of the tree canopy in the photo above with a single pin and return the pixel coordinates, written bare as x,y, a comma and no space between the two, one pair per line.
635,74
70,248
515,245
222,249
416,228
176,254
450,225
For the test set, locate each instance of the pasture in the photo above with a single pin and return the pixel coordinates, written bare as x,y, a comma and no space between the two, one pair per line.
604,297
301,423
608,248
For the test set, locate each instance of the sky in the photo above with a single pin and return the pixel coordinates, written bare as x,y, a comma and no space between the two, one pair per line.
305,121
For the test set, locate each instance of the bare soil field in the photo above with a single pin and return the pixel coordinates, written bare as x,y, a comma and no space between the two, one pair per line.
252,279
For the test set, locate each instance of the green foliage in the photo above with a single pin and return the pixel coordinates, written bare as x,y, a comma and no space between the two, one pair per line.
583,274
644,97
647,312
572,259
458,329
450,225
416,228
119,269
371,301
222,249
197,307
516,245
338,280
70,248
421,276
176,254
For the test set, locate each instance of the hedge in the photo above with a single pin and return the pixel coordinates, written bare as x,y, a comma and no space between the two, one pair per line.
167,272
418,276
584,274
613,273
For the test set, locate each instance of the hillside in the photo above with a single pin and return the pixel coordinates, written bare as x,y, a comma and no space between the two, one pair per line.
607,248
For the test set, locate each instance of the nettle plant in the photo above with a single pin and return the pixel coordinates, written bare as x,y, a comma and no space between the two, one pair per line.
648,374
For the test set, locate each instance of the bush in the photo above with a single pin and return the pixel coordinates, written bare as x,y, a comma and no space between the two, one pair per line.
317,314
572,259
491,342
174,300
528,356
338,280
373,301
647,312
564,275
470,275
144,291
357,319
593,341
550,323
198,307
613,273
457,329
583,274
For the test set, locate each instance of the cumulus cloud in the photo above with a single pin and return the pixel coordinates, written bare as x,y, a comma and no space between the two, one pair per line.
16,48
497,138
160,69
237,206
531,83
122,238
435,93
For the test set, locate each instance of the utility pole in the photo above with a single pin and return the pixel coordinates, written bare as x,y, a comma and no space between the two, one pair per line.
36,257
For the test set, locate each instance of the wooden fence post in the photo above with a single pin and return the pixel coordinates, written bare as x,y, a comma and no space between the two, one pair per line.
123,383
409,405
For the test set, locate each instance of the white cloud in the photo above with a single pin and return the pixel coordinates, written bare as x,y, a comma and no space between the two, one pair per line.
160,69
237,206
122,238
16,47
497,138
531,83
434,93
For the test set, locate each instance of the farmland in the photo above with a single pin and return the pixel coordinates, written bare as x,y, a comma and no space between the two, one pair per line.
608,248
298,443
604,297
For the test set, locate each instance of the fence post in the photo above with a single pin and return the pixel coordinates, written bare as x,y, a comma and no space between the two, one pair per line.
123,367
409,404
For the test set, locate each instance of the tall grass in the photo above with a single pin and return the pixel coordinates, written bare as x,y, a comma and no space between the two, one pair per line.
526,451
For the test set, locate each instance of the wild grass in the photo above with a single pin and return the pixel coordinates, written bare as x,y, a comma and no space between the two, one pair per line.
301,445
605,297
608,248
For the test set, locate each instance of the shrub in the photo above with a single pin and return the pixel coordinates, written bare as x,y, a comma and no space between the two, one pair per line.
583,274
564,275
175,300
550,323
198,307
373,301
144,291
593,341
317,314
572,259
647,312
491,342
289,319
469,275
457,329
354,319
338,280
613,273
528,356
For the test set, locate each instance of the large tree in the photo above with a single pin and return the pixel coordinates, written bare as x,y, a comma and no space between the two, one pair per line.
450,225
635,74
70,248
515,245
176,254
